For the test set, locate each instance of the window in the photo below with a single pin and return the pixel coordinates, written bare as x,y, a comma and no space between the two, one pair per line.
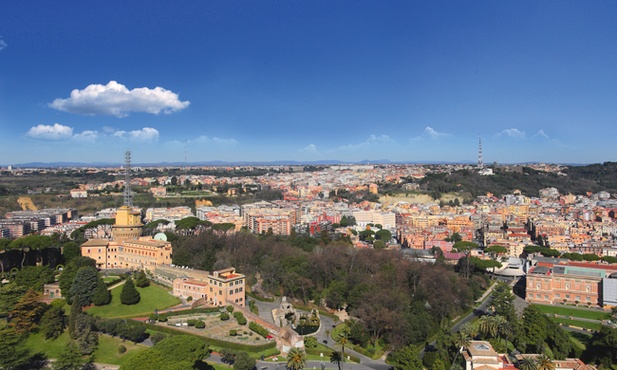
546,297
568,296
557,295
588,299
577,298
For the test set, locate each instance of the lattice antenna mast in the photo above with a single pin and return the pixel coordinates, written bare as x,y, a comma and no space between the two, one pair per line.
128,194
480,162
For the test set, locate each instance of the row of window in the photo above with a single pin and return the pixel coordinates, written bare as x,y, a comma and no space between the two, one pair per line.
557,295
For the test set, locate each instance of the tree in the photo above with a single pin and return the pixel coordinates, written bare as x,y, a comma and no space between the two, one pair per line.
466,247
141,279
101,295
528,363
27,313
545,363
87,339
70,359
244,362
384,235
177,348
407,359
84,284
34,277
13,353
129,294
296,359
52,322
337,358
379,244
342,339
70,250
10,294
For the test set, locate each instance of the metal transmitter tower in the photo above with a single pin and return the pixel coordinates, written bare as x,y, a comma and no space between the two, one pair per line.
480,163
128,195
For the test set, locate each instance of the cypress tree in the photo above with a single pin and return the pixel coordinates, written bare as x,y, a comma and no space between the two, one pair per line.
129,294
101,295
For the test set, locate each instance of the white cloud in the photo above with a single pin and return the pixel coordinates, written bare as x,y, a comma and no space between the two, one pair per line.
431,133
87,135
49,132
512,132
215,140
116,100
3,44
146,134
373,139
541,134
311,148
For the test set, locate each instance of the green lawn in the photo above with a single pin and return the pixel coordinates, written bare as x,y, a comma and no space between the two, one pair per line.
106,352
574,312
107,279
579,323
152,297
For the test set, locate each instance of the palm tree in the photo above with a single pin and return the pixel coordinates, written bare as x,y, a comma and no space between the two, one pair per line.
337,358
545,363
503,328
528,363
488,326
342,339
296,359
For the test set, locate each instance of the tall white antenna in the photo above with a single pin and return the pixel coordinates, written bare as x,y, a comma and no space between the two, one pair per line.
480,162
128,195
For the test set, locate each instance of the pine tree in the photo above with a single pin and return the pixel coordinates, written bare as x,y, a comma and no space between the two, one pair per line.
129,294
27,313
52,322
101,295
73,317
141,279
70,359
84,284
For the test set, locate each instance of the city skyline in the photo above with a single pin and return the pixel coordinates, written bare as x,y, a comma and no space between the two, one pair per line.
308,81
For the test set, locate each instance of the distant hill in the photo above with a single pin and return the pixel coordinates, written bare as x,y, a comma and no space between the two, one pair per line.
575,179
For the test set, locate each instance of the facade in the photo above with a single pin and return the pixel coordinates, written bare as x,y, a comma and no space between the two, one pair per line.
128,249
609,291
564,284
219,288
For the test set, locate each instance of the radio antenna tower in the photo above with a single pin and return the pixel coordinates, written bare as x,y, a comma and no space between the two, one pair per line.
480,163
128,195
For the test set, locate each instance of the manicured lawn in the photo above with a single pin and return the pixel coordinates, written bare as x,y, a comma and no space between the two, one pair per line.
574,312
106,352
107,279
579,323
51,348
152,297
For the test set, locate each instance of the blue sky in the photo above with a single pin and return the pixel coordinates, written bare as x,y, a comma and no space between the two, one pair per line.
308,80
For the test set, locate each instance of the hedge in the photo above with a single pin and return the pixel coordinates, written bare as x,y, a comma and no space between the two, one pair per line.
212,341
259,329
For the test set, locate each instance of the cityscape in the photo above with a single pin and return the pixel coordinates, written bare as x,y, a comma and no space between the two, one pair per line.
308,185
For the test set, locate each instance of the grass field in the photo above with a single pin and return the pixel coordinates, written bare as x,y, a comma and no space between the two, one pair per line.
106,352
152,297
579,323
574,312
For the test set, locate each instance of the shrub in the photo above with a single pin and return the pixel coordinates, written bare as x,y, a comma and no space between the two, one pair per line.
200,324
240,318
129,294
224,316
189,299
121,349
233,332
259,329
157,337
230,308
191,322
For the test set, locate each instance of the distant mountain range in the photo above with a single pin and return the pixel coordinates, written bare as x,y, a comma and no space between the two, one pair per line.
224,163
